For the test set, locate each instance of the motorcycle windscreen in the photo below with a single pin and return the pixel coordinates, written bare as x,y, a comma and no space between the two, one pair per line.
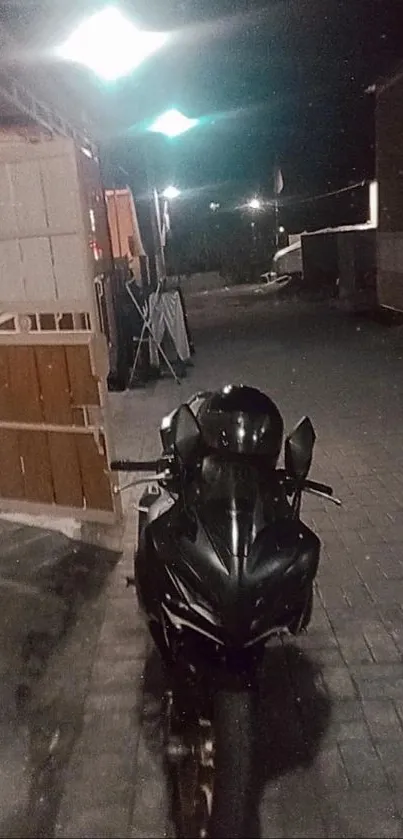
235,503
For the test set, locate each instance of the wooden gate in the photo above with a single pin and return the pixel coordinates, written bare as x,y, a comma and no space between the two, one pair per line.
55,441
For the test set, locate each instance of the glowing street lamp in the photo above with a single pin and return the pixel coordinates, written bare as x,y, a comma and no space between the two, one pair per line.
255,204
172,123
110,44
171,192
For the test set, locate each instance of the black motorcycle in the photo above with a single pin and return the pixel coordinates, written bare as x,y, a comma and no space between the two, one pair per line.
223,564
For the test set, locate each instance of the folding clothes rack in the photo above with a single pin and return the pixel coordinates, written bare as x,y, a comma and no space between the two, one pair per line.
146,313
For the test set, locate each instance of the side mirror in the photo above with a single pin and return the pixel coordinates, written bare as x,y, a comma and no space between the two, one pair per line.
298,450
187,434
198,400
168,431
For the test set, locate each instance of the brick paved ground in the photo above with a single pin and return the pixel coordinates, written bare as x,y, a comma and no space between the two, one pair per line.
52,606
330,730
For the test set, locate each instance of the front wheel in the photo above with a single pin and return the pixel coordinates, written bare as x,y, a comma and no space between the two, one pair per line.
234,720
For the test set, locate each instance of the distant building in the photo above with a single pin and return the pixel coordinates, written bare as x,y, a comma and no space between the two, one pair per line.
389,166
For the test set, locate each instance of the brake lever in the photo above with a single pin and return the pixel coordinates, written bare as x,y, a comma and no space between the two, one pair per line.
160,476
324,495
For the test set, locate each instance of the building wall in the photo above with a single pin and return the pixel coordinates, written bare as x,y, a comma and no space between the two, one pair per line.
357,269
320,261
342,260
389,164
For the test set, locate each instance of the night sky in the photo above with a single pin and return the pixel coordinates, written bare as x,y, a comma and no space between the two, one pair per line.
282,81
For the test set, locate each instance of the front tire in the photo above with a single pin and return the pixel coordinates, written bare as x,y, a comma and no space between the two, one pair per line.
234,720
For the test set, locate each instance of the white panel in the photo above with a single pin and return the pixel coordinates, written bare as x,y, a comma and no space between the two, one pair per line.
38,269
28,198
11,278
71,273
61,189
8,219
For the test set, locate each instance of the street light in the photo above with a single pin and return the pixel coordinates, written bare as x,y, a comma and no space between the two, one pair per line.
172,123
110,44
171,192
255,204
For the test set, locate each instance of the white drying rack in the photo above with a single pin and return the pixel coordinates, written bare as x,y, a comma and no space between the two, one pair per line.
146,313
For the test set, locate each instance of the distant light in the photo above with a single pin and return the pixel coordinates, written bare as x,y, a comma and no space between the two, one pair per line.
172,123
281,229
92,221
374,204
255,204
110,44
214,206
171,192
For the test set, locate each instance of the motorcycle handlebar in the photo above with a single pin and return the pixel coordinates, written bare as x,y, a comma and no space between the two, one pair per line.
135,465
155,466
317,487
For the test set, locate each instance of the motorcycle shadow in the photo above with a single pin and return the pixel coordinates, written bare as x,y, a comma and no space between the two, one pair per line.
293,715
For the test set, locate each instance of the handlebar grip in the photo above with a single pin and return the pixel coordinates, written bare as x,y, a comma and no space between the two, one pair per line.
324,488
134,465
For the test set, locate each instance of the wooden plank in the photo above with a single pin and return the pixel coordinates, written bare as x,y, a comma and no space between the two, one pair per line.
24,382
54,385
83,385
95,475
11,477
46,338
6,400
66,470
80,427
78,416
34,450
35,508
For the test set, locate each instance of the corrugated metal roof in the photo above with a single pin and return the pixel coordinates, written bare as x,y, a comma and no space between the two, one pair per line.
30,94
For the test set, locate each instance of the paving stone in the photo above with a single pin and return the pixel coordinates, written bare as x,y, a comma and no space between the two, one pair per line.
383,719
339,683
329,658
376,681
354,650
346,737
115,700
328,770
105,822
381,643
363,766
119,728
346,710
118,673
353,730
357,813
151,810
390,753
